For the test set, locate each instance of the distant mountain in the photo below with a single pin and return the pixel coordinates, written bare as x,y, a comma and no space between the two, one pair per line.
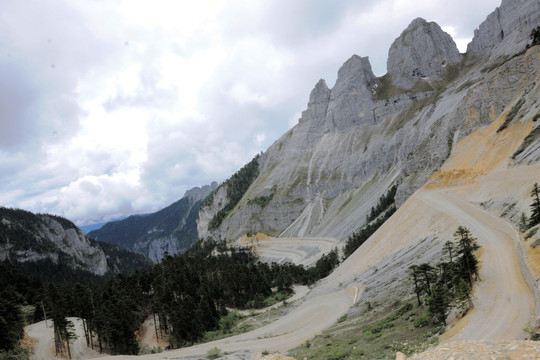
88,228
53,248
170,230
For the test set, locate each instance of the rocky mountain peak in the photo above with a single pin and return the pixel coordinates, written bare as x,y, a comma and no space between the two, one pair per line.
355,68
351,99
506,30
200,193
422,50
319,94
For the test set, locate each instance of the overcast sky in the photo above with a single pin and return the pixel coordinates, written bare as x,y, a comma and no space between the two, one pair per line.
109,108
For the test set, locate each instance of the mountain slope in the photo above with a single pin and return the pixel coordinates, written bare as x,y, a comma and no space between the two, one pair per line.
356,140
170,230
54,248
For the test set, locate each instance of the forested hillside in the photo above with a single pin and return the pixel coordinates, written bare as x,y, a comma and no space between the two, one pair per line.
188,294
54,249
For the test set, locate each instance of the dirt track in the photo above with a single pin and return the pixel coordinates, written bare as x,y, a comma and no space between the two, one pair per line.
503,302
304,251
292,330
44,348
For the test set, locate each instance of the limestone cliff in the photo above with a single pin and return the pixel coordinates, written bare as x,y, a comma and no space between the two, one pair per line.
27,238
365,134
422,51
506,31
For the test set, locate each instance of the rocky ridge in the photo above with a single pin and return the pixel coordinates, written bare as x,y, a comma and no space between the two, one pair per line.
27,238
365,134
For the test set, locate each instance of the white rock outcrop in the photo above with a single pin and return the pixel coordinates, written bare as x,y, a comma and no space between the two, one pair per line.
506,30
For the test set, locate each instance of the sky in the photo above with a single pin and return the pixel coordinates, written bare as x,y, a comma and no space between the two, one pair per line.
111,108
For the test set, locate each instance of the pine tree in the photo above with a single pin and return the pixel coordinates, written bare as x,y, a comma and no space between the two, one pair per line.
463,295
416,281
439,303
523,223
11,323
466,246
450,248
427,277
535,206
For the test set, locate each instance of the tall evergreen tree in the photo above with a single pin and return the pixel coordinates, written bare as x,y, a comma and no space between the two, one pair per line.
416,281
439,303
466,246
11,322
535,206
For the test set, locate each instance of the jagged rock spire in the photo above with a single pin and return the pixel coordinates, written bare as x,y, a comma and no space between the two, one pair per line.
422,50
351,99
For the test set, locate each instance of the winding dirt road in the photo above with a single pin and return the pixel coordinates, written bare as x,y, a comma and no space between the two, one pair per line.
301,251
301,324
502,300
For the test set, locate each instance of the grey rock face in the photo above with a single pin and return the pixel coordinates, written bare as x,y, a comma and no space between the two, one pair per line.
219,200
422,50
74,243
506,30
46,238
351,99
200,193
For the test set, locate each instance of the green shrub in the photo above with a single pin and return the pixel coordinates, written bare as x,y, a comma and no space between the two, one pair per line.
421,321
146,349
531,233
214,353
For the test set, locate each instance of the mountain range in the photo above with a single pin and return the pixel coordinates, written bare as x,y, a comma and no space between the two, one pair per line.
444,139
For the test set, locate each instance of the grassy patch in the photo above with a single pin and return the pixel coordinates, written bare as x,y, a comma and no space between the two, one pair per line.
214,353
501,62
229,325
272,299
467,85
377,333
386,89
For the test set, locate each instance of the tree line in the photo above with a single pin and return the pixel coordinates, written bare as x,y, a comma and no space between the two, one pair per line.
525,223
237,186
449,283
186,295
385,208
